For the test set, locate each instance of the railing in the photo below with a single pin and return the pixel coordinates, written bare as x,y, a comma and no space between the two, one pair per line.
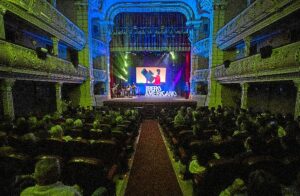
258,15
140,47
45,16
100,75
201,47
284,60
17,57
150,30
200,75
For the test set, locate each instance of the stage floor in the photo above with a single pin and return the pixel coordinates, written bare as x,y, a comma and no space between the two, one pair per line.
140,101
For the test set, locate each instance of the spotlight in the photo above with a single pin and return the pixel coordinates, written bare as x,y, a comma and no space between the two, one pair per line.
173,55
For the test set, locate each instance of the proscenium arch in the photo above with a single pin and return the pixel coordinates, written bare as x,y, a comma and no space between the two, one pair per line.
144,7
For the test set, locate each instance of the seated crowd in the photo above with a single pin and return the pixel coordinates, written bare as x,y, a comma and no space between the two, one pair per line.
87,148
229,151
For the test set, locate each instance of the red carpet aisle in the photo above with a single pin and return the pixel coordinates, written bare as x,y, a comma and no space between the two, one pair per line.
152,172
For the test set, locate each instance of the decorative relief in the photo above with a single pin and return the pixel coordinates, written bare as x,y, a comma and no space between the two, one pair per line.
25,59
99,48
201,47
249,21
283,60
200,75
45,16
100,75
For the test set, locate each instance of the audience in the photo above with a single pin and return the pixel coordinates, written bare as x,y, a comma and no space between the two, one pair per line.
47,175
265,137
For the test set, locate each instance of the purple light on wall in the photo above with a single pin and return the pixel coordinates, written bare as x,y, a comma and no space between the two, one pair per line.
176,79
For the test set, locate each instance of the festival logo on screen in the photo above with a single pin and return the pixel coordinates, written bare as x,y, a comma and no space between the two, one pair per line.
151,75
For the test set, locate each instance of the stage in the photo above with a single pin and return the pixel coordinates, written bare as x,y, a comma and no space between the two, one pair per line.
141,101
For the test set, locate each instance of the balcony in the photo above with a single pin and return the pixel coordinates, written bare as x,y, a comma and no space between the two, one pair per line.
200,75
282,65
257,16
23,63
100,75
43,15
202,47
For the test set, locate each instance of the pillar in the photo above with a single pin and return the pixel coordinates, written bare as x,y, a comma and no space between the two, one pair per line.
247,41
106,31
297,104
6,86
2,27
85,90
194,37
216,55
55,42
244,97
58,95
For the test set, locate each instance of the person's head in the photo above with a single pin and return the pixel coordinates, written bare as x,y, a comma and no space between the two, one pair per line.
262,183
158,71
78,123
56,132
47,171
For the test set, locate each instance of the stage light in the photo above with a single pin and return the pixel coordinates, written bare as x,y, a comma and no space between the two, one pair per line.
126,56
125,64
173,56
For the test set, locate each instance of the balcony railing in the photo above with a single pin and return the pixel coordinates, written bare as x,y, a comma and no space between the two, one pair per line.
257,16
45,16
200,75
15,59
100,75
283,63
202,47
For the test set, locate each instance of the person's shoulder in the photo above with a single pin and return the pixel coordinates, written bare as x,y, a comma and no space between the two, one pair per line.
28,191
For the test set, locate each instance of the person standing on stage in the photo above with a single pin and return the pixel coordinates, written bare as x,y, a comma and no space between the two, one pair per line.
133,89
157,78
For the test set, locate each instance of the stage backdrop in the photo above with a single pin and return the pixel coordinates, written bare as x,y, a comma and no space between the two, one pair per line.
153,69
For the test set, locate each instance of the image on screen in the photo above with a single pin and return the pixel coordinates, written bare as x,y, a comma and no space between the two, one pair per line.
150,75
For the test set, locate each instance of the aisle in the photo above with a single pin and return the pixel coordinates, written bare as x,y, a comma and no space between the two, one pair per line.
152,172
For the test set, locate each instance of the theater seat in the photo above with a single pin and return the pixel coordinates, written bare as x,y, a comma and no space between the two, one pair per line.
220,174
12,164
51,146
86,172
267,163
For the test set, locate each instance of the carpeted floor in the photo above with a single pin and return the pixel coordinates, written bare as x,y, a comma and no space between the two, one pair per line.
152,172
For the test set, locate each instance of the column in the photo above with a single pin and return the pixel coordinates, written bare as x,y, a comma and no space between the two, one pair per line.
194,36
58,91
2,27
55,42
247,41
6,86
297,104
216,56
106,31
244,98
85,90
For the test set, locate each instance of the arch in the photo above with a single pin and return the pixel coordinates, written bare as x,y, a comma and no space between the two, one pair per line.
181,7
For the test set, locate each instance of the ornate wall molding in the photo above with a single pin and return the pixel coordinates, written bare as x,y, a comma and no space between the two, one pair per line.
43,15
200,75
258,15
161,6
283,64
17,60
100,75
99,48
201,48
